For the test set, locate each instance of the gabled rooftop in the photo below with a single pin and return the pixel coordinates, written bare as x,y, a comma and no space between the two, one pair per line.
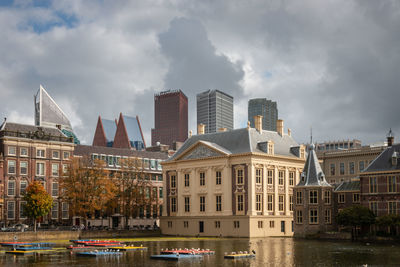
385,161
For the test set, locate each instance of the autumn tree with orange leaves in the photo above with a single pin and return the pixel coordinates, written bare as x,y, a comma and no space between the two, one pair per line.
38,202
87,187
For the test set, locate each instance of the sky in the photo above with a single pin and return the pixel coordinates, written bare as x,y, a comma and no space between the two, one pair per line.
330,65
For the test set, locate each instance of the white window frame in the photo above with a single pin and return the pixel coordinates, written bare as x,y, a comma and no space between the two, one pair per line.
9,165
12,153
37,169
8,210
39,154
52,169
13,188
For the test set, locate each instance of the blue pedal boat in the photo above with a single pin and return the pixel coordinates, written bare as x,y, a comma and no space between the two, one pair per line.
175,257
33,248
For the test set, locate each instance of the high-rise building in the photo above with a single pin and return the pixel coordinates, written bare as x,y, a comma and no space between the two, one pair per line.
266,108
170,118
215,110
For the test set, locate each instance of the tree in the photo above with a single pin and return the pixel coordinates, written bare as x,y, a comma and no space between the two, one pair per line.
356,216
38,202
391,221
87,187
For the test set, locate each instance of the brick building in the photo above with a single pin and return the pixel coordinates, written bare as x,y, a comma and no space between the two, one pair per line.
170,118
29,153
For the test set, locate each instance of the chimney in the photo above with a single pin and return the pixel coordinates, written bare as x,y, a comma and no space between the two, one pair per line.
223,129
258,122
289,132
201,128
390,138
279,127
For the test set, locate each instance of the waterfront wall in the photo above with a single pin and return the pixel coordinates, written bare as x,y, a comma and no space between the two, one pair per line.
67,235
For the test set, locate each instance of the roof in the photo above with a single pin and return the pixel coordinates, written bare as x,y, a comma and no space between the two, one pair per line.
242,140
312,174
82,150
110,127
133,128
348,186
384,161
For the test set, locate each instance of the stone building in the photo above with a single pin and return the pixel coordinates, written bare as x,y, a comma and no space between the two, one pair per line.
314,206
32,153
232,183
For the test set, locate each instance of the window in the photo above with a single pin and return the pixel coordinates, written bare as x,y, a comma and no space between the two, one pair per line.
40,153
260,224
12,151
392,207
11,167
54,211
351,167
282,226
236,224
154,209
313,216
391,184
341,168
160,177
169,224
341,198
299,198
373,206
173,204
65,210
327,197
66,155
10,210
372,185
218,177
160,192
240,202
302,153
270,202
270,148
173,181
56,154
239,176
333,168
258,176
356,198
281,175
54,169
218,202
22,187
270,176
187,204
291,178
54,189
154,193
291,202
217,224
187,177
23,168
202,204
202,178
21,209
328,216
185,224
361,166
65,168
281,203
11,188
39,169
258,202
313,197
299,216
147,192
23,152
271,224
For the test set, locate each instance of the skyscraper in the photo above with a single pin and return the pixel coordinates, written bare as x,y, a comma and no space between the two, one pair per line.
266,108
170,118
215,110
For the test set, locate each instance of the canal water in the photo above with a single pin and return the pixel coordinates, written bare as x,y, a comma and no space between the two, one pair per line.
269,252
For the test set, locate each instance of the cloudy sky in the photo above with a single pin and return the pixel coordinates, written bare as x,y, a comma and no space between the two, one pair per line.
332,65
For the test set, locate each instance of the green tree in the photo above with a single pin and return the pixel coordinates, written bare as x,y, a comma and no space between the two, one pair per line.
390,221
38,202
356,216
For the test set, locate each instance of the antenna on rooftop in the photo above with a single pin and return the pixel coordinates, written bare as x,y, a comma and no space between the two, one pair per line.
311,135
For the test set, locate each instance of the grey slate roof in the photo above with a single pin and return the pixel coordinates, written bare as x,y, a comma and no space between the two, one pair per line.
348,186
384,161
24,128
312,174
84,150
242,141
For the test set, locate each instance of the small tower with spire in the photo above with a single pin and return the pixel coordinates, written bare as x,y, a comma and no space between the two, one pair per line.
313,197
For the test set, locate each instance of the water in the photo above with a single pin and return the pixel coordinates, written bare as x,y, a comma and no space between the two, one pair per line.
270,252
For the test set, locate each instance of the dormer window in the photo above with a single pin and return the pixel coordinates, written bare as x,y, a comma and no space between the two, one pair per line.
303,176
394,159
270,147
302,152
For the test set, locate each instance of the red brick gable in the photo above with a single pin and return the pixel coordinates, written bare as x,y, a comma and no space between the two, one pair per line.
121,139
99,138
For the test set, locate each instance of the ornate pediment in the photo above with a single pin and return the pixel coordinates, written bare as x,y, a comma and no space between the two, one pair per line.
201,151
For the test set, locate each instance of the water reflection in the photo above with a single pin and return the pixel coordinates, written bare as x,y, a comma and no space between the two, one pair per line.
269,252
